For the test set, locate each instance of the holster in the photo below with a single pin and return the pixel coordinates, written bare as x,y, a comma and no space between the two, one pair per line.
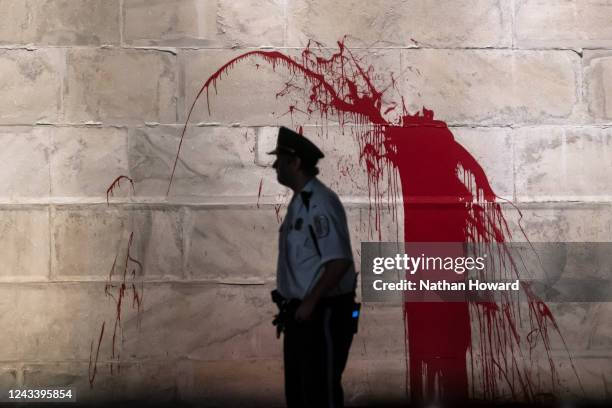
286,311
288,307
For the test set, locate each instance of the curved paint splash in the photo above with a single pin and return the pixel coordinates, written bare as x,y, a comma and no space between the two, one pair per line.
459,350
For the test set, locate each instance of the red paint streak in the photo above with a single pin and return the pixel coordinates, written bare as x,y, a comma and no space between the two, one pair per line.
116,184
122,288
446,197
93,365
132,268
259,191
277,208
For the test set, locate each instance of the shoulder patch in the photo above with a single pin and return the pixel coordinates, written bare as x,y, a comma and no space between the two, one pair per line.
321,226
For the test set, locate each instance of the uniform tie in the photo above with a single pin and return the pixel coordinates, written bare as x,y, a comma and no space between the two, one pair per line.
306,198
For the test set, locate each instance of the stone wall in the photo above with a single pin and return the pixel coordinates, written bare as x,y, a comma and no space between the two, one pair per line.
94,89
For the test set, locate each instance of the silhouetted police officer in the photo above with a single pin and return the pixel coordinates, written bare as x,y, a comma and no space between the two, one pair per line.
315,279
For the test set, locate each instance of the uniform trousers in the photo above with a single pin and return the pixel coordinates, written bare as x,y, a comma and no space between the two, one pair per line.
315,354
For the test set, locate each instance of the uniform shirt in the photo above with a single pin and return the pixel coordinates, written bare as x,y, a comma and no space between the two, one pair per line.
315,217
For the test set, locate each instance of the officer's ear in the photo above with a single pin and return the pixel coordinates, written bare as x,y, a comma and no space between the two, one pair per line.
295,162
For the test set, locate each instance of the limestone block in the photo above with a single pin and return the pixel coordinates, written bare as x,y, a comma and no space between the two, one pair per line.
89,22
583,378
375,383
256,341
586,328
579,379
30,87
47,22
382,221
158,241
214,162
255,383
85,241
152,382
17,14
571,23
251,23
8,377
491,86
583,330
85,161
266,138
594,375
368,223
492,149
173,23
598,65
381,333
120,86
563,164
24,246
559,222
24,163
341,168
359,228
246,94
216,322
232,245
55,322
203,23
467,23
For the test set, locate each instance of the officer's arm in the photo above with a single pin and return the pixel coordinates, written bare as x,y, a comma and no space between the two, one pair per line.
333,273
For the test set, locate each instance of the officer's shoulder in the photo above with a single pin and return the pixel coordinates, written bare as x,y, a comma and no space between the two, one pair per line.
325,196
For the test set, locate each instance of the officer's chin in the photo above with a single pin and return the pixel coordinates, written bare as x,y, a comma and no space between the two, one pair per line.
281,180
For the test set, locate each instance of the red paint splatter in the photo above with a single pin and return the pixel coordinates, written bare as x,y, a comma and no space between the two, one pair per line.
446,197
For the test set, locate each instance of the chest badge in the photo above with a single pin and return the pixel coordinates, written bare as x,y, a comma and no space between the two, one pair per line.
298,224
321,226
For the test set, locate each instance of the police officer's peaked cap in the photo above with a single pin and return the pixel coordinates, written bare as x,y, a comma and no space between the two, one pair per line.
290,142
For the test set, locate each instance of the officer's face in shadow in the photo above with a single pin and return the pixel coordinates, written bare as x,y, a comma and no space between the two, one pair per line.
287,169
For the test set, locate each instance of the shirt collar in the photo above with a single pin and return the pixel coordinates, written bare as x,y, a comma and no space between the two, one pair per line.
309,186
306,192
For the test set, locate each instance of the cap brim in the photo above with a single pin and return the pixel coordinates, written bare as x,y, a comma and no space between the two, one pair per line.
281,149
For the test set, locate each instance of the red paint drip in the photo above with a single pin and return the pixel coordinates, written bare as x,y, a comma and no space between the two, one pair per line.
277,208
121,290
127,280
93,361
116,184
259,191
446,197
